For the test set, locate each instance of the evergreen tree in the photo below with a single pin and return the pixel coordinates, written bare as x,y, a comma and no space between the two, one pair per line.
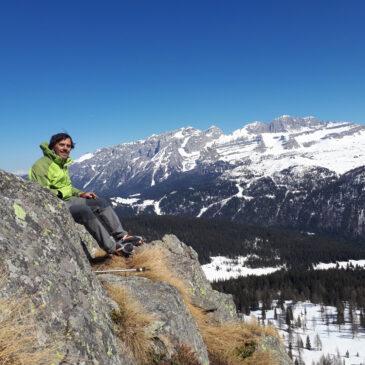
318,342
298,322
263,315
299,342
290,338
347,354
288,317
267,299
308,345
281,302
290,309
340,313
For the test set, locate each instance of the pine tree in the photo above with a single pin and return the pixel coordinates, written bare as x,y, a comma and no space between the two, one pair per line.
308,345
299,342
290,309
287,317
281,301
298,322
318,342
340,313
362,319
290,337
263,315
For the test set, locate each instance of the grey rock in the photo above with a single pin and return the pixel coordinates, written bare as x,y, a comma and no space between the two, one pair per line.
88,242
276,348
43,260
174,324
184,260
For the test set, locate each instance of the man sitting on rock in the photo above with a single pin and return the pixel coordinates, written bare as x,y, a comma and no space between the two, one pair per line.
98,217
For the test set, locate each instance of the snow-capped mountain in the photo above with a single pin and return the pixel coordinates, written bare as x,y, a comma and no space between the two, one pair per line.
299,172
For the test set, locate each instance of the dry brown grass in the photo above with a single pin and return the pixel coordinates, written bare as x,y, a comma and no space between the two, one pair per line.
103,261
132,324
17,335
183,356
233,343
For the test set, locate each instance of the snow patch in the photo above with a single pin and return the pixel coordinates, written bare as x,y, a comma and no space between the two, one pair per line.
86,184
223,268
318,321
341,264
127,201
85,157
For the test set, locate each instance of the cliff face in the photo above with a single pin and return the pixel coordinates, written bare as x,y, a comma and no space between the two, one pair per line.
76,317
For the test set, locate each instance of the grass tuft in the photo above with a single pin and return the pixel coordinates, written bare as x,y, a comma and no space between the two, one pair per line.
132,324
183,356
17,335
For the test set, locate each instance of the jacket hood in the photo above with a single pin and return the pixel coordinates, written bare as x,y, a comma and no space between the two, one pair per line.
52,155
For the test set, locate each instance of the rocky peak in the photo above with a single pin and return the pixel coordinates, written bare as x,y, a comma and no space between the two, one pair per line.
287,123
257,127
213,131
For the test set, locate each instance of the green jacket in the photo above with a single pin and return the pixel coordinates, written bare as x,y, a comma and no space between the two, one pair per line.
51,171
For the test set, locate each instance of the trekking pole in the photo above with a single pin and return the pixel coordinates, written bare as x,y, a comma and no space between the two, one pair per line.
137,269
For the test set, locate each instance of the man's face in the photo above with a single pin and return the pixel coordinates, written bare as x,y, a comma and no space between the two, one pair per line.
63,148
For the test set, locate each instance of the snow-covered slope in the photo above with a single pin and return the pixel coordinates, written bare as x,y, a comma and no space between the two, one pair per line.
341,344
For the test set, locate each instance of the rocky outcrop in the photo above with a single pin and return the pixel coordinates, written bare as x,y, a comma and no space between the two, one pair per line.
43,257
184,260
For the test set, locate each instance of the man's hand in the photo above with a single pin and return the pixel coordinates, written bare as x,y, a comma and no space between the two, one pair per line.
88,195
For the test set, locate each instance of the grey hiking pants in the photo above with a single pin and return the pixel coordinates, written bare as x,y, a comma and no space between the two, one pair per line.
99,219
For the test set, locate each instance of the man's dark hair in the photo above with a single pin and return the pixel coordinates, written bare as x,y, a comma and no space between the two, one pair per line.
59,137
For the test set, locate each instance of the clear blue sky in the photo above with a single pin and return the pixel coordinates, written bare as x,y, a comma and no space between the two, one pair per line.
115,71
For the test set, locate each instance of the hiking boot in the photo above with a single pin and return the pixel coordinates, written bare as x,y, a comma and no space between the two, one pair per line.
135,240
123,249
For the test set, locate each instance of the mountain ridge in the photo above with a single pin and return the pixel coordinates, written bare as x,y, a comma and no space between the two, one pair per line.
279,173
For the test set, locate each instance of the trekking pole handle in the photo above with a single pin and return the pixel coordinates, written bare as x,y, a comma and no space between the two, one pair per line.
137,269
